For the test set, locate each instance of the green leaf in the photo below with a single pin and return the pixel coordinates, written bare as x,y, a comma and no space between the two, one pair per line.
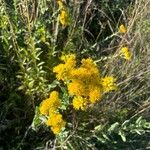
147,125
138,120
36,120
21,87
138,131
63,107
122,134
125,124
101,139
53,84
113,127
105,136
98,128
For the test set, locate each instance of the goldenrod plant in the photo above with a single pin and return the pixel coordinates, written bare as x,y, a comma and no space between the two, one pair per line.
74,74
84,84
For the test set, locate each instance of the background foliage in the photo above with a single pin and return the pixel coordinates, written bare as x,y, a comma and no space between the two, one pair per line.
31,42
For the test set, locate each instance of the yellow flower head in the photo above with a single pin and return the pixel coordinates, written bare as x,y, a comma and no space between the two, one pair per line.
68,58
54,101
60,70
55,119
64,18
60,4
54,95
63,70
56,123
126,53
122,29
95,94
108,83
51,104
80,74
92,69
79,103
44,107
86,72
78,88
88,63
56,129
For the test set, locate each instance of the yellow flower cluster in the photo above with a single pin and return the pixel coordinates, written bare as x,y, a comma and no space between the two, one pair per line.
83,82
64,16
63,70
126,53
79,103
50,104
49,107
56,122
108,83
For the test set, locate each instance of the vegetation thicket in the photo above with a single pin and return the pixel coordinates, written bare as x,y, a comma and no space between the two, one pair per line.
74,74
